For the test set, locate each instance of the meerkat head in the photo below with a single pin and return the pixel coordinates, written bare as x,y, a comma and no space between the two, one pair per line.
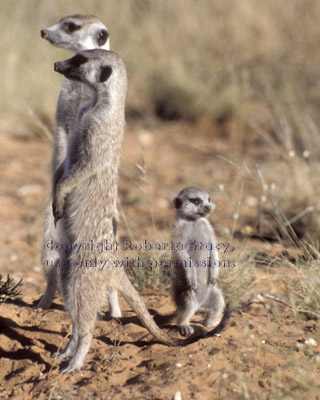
90,67
77,33
192,203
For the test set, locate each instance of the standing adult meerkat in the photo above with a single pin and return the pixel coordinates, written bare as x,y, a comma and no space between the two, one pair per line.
75,33
197,266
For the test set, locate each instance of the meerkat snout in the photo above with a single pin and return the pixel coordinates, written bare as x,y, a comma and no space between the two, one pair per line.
56,66
44,33
207,208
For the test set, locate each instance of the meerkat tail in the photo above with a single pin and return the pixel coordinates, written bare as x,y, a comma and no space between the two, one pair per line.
134,300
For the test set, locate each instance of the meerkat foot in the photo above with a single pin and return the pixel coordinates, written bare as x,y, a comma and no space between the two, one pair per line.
69,349
52,283
115,313
210,323
46,300
212,319
80,354
186,330
44,303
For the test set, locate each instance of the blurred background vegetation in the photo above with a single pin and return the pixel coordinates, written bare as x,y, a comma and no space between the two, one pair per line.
252,62
249,68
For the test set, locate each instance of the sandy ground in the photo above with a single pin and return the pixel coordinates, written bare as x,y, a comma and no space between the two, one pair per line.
259,355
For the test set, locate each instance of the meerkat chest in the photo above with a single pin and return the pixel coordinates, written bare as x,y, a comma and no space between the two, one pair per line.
200,239
202,231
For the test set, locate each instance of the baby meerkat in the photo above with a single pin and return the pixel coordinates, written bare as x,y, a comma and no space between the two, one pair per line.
196,268
75,33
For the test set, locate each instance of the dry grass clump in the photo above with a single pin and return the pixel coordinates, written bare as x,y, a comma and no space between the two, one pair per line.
293,140
238,283
154,270
297,265
8,289
303,286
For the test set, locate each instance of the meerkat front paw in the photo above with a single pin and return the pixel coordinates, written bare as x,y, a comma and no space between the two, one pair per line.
192,286
212,281
57,209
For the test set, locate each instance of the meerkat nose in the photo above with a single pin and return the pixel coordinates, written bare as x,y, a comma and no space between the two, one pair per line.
207,208
44,33
56,66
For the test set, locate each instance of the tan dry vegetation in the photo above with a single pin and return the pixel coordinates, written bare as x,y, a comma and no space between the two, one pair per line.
222,59
242,79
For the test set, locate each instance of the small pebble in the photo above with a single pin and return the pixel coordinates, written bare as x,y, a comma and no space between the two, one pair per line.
178,365
311,342
177,396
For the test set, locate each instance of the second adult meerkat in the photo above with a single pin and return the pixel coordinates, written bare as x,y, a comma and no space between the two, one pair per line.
76,33
197,267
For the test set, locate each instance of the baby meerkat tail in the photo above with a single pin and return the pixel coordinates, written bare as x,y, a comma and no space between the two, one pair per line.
165,319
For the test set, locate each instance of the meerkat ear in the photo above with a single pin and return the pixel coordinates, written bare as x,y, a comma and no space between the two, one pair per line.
105,73
102,37
177,202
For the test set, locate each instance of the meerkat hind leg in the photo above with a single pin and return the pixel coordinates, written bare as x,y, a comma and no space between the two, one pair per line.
71,346
49,258
80,349
213,305
83,304
79,343
184,313
52,282
113,301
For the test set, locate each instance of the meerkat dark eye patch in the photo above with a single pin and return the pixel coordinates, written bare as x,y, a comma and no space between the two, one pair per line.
78,59
70,27
102,37
177,202
195,201
105,73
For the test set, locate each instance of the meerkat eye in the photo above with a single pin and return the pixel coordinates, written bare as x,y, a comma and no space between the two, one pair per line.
102,37
71,27
196,202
